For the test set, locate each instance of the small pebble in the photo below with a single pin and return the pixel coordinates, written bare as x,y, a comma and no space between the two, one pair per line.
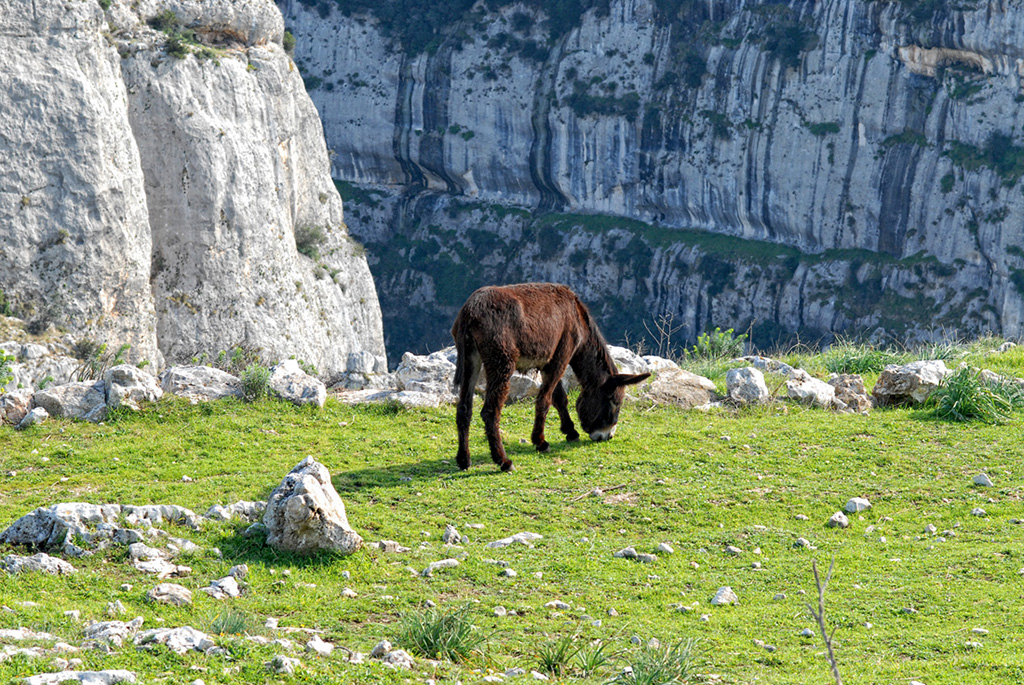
979,631
779,596
806,632
977,511
500,611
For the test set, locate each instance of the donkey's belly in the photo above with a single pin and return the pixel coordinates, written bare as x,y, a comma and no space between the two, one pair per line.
525,363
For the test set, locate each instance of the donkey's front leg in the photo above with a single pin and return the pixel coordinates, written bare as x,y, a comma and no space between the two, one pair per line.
561,402
494,400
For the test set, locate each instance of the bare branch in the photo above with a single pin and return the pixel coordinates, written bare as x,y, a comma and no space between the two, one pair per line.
819,616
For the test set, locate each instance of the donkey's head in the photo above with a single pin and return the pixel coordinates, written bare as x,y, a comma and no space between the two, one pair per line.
598,406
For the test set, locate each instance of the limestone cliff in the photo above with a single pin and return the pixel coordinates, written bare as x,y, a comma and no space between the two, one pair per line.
166,184
852,132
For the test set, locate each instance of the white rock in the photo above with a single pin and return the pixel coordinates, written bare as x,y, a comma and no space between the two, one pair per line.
200,383
37,563
909,384
399,658
977,511
806,389
838,520
289,382
983,480
223,589
524,538
451,535
319,646
170,593
723,596
746,386
305,514
130,386
178,640
436,565
625,553
34,417
85,400
856,505
665,548
733,550
806,632
558,605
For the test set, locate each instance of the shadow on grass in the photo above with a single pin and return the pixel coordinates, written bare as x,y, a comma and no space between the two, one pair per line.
401,475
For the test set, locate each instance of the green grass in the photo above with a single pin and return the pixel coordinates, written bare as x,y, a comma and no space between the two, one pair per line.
698,481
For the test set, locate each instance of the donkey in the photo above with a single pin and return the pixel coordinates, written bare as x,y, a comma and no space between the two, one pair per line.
534,326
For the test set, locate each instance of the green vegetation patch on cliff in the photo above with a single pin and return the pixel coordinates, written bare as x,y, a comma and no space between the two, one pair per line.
999,154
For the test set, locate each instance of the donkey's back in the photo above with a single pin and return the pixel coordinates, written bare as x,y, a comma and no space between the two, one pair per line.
525,324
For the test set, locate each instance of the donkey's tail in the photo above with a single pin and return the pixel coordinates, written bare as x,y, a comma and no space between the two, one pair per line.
465,348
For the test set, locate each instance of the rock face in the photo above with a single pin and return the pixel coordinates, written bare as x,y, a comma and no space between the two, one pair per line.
173,194
878,127
304,513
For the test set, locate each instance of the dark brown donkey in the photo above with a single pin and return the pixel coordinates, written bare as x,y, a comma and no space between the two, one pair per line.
534,326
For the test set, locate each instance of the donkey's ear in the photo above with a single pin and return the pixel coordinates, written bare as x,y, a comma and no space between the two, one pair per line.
621,379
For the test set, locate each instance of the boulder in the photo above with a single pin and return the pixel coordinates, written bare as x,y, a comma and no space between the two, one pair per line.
672,385
304,513
767,365
746,386
289,382
200,383
909,384
849,390
432,374
15,405
806,389
84,400
130,386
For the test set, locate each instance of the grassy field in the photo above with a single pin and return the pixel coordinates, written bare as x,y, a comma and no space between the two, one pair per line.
904,602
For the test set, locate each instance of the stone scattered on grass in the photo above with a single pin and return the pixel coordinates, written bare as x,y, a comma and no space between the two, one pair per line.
391,547
806,632
856,505
646,558
804,542
508,573
930,529
223,588
625,553
665,548
436,565
558,605
179,640
723,596
524,538
977,511
451,535
983,480
319,646
838,520
733,550
170,593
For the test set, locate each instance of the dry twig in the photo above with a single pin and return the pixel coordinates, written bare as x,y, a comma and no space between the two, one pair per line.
819,616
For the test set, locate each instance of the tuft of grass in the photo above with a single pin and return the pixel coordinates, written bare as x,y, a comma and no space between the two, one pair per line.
661,665
438,634
555,656
850,357
966,395
595,658
231,622
255,382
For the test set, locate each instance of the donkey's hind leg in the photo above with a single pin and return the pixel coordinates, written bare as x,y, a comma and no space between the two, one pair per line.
499,376
469,373
549,386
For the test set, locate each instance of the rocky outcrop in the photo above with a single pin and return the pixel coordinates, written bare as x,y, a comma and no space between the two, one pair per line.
864,148
169,186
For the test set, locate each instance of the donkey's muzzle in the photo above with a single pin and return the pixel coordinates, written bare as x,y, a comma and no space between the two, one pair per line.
603,434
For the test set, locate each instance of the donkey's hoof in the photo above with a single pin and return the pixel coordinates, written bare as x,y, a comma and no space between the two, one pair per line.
572,437
463,462
507,466
543,446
